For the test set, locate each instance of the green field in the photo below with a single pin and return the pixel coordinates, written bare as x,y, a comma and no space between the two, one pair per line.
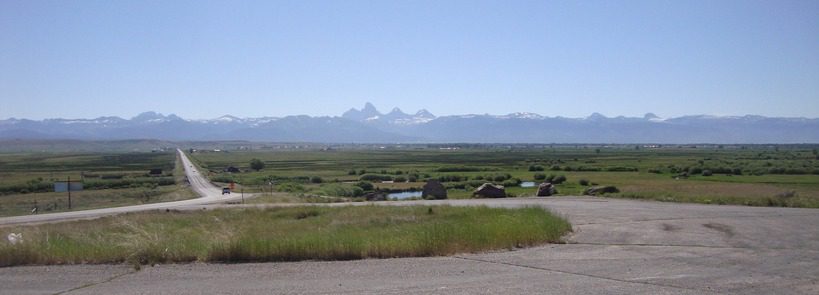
109,180
756,175
282,234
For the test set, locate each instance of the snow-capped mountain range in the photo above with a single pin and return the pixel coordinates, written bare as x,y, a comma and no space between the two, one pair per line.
368,125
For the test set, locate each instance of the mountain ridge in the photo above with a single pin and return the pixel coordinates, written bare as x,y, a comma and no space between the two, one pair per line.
368,125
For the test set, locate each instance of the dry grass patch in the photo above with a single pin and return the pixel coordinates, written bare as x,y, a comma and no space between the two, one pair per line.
283,234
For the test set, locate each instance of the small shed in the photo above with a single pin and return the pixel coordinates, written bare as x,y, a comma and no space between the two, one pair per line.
232,169
488,190
434,190
545,189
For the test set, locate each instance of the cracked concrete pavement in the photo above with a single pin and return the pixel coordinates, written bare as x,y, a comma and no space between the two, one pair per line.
618,247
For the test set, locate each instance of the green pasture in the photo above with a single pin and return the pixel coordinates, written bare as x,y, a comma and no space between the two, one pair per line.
761,176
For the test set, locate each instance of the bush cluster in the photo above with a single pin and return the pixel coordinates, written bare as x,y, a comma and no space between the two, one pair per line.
375,177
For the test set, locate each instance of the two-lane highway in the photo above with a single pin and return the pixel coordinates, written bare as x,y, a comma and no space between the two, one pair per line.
208,194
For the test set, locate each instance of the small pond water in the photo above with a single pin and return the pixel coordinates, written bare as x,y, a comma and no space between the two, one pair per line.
404,195
527,184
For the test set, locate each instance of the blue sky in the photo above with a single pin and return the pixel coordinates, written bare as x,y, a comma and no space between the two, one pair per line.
201,59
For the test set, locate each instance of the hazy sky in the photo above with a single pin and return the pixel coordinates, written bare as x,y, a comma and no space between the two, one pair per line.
203,59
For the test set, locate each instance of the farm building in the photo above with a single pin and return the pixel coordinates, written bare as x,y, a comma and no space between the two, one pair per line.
434,190
488,190
545,189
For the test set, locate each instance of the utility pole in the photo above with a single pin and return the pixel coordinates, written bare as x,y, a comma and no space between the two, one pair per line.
69,192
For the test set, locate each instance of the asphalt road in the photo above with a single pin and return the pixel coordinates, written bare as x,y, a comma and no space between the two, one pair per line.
619,247
208,193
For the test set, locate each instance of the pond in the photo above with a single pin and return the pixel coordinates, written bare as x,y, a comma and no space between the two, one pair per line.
404,195
527,184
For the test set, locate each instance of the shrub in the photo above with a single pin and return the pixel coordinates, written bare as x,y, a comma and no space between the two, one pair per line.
316,179
256,164
340,190
459,169
301,179
621,169
451,178
511,182
599,190
400,179
559,179
375,177
707,173
290,187
535,168
365,185
500,177
540,176
222,178
474,183
583,182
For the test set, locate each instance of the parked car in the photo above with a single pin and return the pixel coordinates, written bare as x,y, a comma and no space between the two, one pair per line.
225,190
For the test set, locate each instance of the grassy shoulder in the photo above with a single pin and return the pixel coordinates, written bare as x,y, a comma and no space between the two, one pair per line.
283,234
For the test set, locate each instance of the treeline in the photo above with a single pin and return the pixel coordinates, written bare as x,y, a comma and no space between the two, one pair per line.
707,171
592,169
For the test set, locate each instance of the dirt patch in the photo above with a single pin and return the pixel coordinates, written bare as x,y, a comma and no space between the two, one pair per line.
725,229
670,227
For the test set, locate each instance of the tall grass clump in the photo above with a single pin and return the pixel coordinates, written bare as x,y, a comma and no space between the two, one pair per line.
283,234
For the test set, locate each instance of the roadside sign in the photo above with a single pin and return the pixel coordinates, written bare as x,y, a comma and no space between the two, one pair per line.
62,186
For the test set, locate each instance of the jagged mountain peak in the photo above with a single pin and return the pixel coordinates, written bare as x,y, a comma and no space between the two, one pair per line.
369,111
396,116
369,108
423,113
148,116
